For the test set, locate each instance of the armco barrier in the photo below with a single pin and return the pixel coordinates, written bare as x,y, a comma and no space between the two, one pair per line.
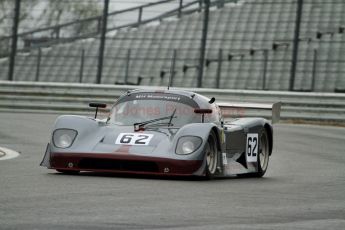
74,98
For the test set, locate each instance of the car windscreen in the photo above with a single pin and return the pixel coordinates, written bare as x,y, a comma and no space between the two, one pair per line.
137,110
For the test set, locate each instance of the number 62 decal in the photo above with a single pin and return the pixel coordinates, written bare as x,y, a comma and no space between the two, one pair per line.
133,139
252,147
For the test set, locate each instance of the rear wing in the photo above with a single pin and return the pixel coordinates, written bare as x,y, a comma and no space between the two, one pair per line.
238,109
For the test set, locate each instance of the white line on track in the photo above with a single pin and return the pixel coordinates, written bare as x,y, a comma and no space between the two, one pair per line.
6,154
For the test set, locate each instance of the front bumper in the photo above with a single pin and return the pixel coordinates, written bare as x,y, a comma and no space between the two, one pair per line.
125,163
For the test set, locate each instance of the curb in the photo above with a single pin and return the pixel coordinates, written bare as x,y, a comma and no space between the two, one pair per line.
2,154
6,154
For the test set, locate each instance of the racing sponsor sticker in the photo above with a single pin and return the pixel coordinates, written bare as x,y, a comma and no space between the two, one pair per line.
133,139
252,147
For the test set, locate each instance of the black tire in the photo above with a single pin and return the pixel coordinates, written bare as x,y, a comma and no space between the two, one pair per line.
68,172
264,154
211,156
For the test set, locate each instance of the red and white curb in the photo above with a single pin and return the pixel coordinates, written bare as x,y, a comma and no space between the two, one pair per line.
6,154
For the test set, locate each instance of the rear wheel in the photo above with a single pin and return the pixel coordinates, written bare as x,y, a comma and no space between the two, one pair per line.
263,157
211,155
264,154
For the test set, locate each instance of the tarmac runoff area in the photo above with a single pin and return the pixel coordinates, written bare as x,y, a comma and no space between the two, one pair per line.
6,154
302,189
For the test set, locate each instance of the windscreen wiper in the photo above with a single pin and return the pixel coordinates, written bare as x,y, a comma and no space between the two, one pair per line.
164,123
171,117
140,125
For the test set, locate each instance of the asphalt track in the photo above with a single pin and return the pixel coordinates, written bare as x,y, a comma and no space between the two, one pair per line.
304,188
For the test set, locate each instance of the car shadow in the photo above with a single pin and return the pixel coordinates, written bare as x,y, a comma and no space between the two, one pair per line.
160,177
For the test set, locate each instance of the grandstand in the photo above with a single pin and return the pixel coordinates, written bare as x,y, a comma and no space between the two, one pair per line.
249,46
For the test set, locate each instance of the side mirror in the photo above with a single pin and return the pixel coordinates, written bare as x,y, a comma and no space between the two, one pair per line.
97,105
212,100
202,112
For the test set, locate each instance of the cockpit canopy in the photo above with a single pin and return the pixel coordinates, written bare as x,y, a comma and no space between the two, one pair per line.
143,106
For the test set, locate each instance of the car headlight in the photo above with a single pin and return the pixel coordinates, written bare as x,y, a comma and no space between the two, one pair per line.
188,144
64,138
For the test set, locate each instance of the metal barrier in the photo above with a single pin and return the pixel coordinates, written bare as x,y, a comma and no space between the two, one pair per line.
74,98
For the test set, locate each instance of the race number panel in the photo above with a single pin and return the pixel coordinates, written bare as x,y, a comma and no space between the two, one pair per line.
252,147
133,139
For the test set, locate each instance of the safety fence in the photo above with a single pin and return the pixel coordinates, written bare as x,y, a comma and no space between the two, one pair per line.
235,52
76,25
74,99
264,69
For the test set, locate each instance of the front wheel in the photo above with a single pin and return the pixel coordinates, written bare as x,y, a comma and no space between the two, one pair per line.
211,155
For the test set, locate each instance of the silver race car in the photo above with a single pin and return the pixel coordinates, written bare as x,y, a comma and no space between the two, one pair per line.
165,132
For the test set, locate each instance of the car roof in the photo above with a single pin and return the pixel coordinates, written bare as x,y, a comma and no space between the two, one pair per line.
170,91
201,100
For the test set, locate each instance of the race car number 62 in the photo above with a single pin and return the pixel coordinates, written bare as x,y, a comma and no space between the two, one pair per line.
252,147
133,139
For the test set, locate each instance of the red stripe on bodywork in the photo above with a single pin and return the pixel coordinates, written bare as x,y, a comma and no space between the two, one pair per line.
124,149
